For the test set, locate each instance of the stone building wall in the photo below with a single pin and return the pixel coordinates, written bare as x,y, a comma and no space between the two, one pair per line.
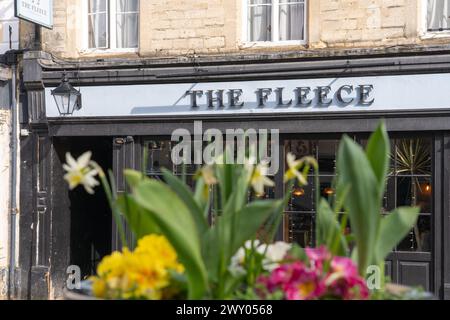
184,27
5,131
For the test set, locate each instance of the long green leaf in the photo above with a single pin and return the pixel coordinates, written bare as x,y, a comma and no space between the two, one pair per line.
177,224
185,194
328,231
355,172
250,219
393,228
377,152
139,220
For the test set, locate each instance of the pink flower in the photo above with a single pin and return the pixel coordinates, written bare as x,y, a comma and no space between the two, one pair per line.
317,257
300,281
344,281
296,281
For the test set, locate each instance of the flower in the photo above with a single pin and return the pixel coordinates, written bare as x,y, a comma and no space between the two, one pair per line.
79,172
143,273
344,280
317,257
275,254
207,173
293,172
301,280
236,267
259,178
296,280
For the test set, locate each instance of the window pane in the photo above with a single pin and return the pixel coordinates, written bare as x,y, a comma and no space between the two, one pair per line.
326,154
292,21
438,15
127,6
260,20
414,191
413,156
98,30
302,197
300,228
158,157
96,6
127,24
419,238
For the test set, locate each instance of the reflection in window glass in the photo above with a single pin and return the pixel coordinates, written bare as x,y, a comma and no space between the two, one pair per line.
291,20
98,23
260,20
438,15
127,19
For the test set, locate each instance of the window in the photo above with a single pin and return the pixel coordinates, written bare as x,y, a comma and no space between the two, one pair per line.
409,183
275,20
113,24
438,15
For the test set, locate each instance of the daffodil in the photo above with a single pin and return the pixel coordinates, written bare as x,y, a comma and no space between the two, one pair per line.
259,178
293,171
80,172
207,173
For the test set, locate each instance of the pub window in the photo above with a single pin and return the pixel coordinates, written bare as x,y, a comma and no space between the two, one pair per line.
438,15
113,24
275,20
409,183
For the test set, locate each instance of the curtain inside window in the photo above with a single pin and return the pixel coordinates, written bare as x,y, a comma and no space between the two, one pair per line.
260,20
98,24
127,23
438,17
292,14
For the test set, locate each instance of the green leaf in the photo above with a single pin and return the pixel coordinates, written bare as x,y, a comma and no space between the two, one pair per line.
210,253
249,220
133,177
328,230
377,151
201,196
393,228
298,252
139,220
176,223
362,202
185,194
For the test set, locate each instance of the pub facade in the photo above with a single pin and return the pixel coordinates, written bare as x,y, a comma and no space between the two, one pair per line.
233,65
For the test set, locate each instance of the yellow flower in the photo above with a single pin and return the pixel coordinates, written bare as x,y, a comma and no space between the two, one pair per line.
98,287
293,172
143,273
259,179
79,172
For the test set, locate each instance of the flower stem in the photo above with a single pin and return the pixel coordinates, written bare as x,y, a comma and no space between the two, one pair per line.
111,196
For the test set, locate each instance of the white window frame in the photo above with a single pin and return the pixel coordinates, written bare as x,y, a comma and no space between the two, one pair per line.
112,30
275,27
423,32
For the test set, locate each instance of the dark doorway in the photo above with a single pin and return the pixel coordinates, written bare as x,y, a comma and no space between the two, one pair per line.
91,220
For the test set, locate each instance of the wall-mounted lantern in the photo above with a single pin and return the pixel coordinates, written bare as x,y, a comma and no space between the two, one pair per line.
67,98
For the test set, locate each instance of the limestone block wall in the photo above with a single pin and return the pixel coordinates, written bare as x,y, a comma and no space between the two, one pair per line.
184,27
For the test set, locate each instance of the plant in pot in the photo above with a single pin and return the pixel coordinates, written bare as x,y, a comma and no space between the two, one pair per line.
180,255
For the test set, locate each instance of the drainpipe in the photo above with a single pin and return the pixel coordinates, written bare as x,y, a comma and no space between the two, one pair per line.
13,180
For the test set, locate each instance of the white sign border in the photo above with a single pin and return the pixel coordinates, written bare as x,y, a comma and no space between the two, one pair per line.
20,16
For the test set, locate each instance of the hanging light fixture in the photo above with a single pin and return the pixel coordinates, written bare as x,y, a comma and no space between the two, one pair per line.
328,191
67,98
298,192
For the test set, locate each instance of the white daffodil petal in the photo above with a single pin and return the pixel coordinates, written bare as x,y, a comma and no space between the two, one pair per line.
71,161
268,182
84,159
301,178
